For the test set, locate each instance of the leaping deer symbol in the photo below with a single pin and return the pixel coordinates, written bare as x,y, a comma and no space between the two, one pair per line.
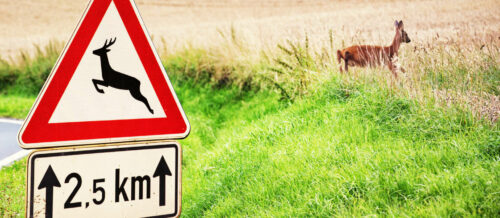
116,79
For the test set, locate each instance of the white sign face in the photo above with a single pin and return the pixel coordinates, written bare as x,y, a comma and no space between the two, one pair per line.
81,97
141,180
108,85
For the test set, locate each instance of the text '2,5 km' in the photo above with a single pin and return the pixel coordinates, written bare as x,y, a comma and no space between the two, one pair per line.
89,181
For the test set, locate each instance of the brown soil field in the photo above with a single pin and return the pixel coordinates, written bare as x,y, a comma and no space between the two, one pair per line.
261,23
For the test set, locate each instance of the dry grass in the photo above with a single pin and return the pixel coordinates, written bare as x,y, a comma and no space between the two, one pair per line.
453,58
264,22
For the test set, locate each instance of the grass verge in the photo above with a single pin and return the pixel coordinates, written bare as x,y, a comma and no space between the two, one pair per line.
283,134
345,150
14,106
12,189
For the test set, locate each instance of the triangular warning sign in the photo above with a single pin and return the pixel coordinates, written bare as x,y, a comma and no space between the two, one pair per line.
108,86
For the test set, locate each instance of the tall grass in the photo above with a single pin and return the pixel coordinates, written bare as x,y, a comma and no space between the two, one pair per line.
456,75
343,150
448,72
364,153
26,74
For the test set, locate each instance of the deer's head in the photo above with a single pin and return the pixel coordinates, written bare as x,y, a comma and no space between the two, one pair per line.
400,28
104,49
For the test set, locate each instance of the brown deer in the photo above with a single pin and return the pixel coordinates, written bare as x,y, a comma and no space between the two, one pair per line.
116,79
372,55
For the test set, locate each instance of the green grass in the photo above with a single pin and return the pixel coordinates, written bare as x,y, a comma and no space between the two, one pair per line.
26,74
336,154
343,151
14,106
12,189
345,145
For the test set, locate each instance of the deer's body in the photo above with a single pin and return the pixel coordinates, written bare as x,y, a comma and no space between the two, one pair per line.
115,79
372,55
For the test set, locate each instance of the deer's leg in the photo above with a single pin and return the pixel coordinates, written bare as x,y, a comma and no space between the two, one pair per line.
136,93
339,59
99,82
391,67
346,65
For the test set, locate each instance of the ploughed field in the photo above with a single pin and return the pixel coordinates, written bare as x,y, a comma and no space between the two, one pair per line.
263,22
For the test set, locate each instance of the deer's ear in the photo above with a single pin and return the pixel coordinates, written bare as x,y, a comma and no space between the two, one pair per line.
401,24
396,24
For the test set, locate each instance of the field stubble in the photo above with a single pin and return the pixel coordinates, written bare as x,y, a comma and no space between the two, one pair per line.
453,58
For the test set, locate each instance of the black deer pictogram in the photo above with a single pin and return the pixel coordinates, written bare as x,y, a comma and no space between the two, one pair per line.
116,79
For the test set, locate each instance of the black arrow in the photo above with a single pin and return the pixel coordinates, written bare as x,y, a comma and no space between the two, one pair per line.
48,182
162,170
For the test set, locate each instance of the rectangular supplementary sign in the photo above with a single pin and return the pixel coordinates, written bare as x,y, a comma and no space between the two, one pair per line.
141,180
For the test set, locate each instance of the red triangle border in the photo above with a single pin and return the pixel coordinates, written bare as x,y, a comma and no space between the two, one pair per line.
38,132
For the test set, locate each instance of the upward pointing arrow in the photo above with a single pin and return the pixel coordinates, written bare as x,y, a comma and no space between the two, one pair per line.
48,182
162,170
